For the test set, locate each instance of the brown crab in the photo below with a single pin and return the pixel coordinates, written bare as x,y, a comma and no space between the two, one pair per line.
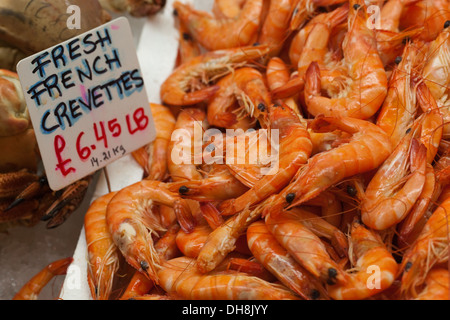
25,196
137,8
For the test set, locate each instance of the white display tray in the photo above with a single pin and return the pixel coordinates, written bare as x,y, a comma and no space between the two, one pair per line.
157,44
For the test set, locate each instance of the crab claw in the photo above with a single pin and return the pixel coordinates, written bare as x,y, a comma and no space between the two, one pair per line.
67,200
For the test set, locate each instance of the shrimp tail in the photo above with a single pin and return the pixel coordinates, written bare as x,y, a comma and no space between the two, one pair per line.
291,88
312,79
225,119
201,95
418,154
211,215
184,215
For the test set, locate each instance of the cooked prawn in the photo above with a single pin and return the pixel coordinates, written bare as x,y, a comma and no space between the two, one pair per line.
185,147
430,248
132,222
279,262
431,14
304,246
275,28
218,184
367,80
373,271
294,150
103,254
191,243
167,249
247,87
227,8
190,83
399,108
396,185
365,150
410,227
234,32
180,277
222,240
436,285
153,157
32,289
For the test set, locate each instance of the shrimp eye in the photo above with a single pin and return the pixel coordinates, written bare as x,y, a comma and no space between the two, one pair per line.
186,36
447,24
262,107
144,265
408,266
315,294
183,190
356,6
256,44
398,60
332,274
175,12
408,130
290,197
351,190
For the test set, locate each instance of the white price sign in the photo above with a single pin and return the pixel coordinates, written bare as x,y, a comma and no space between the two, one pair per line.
87,102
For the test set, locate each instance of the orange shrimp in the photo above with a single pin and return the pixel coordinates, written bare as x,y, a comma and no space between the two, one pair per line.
167,249
409,229
331,19
222,240
191,243
275,28
277,73
390,39
227,8
313,41
277,76
431,14
396,185
430,248
323,229
399,109
139,285
185,147
218,184
330,206
190,83
432,122
304,9
153,157
294,150
304,246
180,277
366,83
187,47
32,289
373,271
435,71
279,262
245,86
132,222
436,75
234,32
366,149
102,252
436,285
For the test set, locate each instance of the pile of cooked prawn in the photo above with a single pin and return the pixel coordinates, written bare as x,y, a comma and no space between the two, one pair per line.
357,208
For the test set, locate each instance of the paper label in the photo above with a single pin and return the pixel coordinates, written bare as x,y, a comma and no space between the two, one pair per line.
87,102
